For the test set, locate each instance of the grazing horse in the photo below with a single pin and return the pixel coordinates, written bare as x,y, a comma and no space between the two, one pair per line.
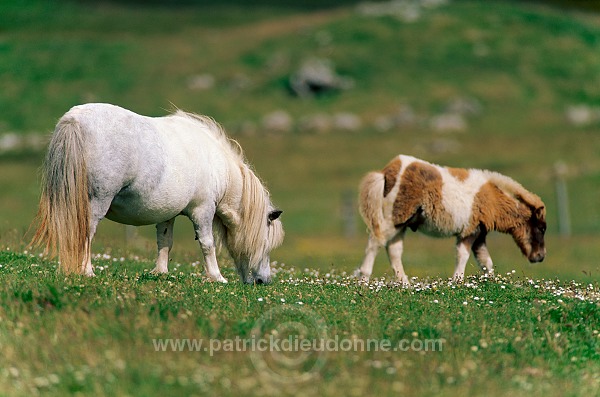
444,202
106,161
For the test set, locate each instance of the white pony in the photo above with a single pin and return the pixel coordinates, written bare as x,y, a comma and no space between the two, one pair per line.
106,161
444,202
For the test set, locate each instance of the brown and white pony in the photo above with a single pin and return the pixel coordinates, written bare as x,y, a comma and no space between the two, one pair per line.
443,202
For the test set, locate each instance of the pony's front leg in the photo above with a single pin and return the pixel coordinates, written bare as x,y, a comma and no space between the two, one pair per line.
394,249
203,221
164,242
463,247
366,268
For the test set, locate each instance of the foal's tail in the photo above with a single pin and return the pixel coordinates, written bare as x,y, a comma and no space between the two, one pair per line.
370,202
64,209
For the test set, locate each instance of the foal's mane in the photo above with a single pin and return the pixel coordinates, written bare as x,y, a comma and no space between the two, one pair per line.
514,189
247,239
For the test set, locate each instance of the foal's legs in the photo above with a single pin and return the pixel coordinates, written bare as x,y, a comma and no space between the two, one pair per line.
202,218
463,246
394,249
164,241
366,268
483,255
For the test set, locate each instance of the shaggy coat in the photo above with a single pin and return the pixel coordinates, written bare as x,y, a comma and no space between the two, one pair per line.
106,161
443,202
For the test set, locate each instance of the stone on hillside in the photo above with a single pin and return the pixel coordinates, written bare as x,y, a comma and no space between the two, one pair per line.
347,121
277,121
201,82
583,115
316,76
448,122
319,123
467,106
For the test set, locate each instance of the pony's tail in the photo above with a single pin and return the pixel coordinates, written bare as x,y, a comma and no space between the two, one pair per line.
370,202
64,210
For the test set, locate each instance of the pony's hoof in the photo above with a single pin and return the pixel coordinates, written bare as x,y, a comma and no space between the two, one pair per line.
218,279
361,276
156,271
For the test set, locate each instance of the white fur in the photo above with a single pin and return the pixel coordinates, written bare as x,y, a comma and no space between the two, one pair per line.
143,170
458,196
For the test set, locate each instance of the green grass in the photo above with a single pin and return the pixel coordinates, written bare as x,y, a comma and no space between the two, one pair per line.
94,336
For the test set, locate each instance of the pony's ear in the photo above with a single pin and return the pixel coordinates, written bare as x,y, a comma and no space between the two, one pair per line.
274,215
540,213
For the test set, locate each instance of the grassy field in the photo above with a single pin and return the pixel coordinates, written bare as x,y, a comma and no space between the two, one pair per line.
520,67
101,336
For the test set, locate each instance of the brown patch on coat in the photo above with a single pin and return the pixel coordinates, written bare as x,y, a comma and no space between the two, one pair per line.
419,197
459,173
390,173
495,210
499,211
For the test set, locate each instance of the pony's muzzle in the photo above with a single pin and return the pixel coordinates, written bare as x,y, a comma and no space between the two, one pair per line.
537,256
261,280
258,280
257,277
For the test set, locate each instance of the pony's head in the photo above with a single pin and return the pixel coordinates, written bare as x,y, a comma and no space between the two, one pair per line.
260,273
259,230
254,264
529,234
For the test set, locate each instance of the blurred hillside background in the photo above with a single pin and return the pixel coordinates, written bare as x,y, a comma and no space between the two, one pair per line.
318,93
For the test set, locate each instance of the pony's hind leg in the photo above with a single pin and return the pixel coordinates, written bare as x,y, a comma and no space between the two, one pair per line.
366,268
164,242
99,208
86,268
394,249
202,219
483,255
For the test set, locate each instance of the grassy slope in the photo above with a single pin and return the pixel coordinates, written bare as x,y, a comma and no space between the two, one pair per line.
535,62
512,336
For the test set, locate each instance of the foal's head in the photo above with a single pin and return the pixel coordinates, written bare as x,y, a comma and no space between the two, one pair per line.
529,235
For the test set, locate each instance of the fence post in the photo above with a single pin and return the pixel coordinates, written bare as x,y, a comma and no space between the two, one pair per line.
562,199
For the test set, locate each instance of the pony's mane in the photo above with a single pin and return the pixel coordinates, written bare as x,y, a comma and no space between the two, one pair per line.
247,239
514,189
215,129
